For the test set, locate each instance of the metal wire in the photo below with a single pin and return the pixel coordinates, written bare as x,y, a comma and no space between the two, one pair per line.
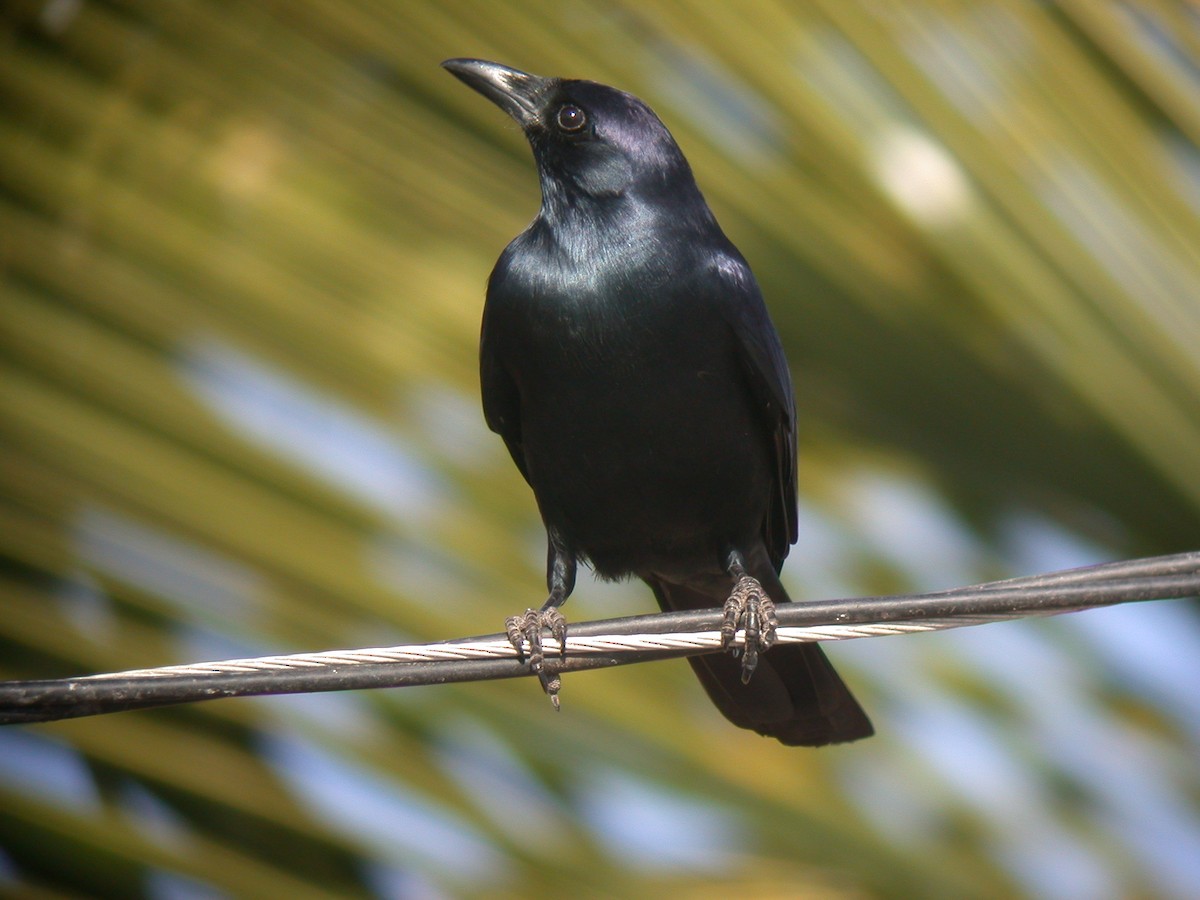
600,644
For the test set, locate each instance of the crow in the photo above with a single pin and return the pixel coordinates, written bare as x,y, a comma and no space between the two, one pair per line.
628,361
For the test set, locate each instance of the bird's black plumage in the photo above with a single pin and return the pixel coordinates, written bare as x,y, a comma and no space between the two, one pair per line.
629,364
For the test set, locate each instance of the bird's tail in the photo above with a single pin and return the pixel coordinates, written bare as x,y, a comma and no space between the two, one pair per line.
795,695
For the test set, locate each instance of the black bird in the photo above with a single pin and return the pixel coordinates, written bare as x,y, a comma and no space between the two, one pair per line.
628,362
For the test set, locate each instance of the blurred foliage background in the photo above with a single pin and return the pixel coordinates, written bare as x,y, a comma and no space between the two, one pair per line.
243,249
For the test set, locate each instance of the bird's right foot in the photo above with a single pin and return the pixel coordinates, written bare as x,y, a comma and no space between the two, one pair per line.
525,633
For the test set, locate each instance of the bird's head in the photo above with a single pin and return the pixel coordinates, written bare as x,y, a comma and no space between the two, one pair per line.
591,141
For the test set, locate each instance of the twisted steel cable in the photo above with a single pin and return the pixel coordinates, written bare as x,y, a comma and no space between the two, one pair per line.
600,644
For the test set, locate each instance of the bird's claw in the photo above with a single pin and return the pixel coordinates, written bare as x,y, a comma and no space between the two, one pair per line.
750,609
526,631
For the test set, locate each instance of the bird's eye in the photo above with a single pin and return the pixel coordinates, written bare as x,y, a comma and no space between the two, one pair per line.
571,118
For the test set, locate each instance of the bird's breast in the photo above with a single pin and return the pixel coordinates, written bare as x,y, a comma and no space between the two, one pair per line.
638,427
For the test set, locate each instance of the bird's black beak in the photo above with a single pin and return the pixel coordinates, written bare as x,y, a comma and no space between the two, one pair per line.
518,93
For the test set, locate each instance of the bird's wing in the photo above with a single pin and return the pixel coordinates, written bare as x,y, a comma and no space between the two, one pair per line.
501,400
741,302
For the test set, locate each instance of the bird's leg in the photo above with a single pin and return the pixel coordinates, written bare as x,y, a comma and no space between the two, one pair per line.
527,629
750,608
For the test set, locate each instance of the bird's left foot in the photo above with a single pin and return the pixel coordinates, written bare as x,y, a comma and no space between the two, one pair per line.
749,608
527,630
